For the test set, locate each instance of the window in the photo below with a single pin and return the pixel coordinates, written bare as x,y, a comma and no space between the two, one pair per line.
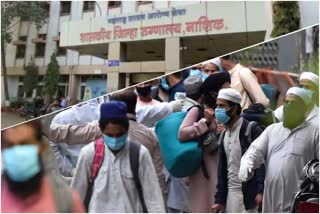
23,38
60,50
42,36
83,87
40,48
21,79
88,6
21,50
62,89
112,4
64,79
46,6
20,91
144,2
65,7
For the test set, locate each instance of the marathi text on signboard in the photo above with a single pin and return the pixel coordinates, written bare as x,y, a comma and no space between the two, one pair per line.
152,15
203,24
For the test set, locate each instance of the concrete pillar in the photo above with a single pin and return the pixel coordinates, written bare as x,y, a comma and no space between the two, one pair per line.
114,53
112,82
172,54
127,80
74,82
53,30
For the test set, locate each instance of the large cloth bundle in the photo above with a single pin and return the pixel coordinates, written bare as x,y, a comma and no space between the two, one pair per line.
181,159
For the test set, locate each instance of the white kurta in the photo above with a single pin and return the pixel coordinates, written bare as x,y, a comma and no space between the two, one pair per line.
66,154
284,153
114,189
150,114
232,149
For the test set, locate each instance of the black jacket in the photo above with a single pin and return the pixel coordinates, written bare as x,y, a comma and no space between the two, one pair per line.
250,188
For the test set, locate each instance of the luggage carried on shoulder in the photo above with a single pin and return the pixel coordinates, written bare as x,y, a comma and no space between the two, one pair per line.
181,159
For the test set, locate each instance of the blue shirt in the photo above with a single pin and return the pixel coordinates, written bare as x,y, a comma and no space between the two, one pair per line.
179,87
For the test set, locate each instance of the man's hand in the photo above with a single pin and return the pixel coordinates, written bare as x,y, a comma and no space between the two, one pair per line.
208,114
245,171
259,199
217,208
176,105
220,128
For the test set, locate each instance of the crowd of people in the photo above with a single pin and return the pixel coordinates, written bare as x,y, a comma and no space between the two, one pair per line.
109,155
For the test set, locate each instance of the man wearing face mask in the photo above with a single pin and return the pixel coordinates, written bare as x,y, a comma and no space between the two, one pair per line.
309,81
149,111
114,188
285,148
26,184
210,68
233,195
171,84
144,95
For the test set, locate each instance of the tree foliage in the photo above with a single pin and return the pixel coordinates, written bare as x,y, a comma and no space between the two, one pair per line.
35,11
31,77
51,80
11,12
286,17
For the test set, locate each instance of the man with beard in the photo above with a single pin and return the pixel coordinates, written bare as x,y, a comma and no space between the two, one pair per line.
26,186
310,81
285,148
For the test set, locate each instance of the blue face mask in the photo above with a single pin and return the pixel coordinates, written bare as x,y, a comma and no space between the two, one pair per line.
309,94
21,162
221,115
115,143
164,84
195,72
204,77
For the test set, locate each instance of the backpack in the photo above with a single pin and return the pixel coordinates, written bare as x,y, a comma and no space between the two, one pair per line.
181,159
269,91
272,93
248,133
134,154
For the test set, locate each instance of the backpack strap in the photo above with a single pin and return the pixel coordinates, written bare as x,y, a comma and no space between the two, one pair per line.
134,154
248,133
95,167
221,137
62,196
201,111
203,164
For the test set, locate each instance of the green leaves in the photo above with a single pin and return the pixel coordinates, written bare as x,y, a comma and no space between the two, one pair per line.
286,17
51,80
31,78
11,11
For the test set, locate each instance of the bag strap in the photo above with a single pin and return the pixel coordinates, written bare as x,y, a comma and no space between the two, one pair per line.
203,164
201,110
242,80
221,137
95,167
98,158
248,132
134,154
